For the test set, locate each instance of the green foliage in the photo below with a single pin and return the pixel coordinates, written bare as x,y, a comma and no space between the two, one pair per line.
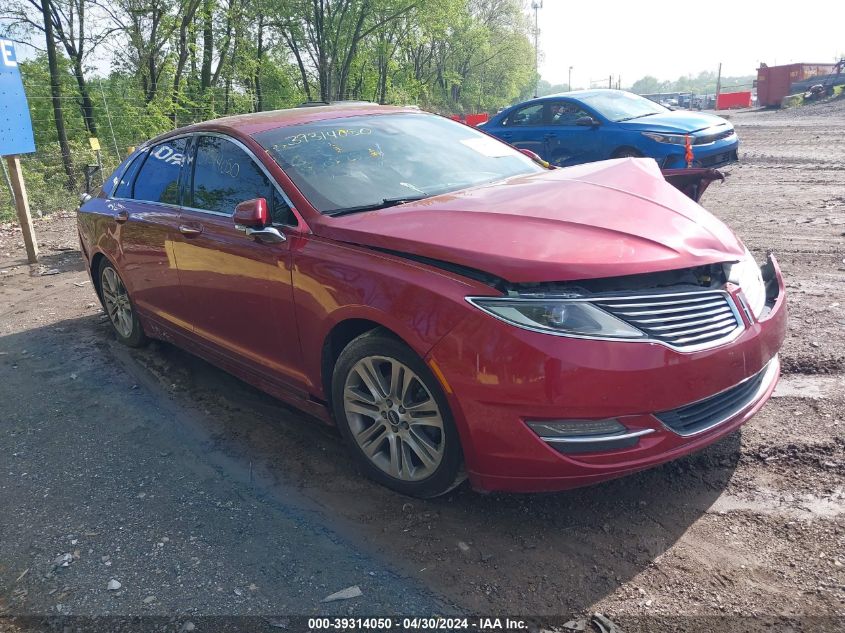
210,58
544,88
702,84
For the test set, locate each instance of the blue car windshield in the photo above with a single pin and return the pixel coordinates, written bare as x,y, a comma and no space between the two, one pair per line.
616,105
355,163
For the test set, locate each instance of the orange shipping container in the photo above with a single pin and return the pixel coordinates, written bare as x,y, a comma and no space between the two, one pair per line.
773,82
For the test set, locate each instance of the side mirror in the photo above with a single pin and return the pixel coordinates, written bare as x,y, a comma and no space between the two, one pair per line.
586,121
535,157
252,218
252,214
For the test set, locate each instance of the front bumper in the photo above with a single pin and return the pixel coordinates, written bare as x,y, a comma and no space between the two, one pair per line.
498,376
716,154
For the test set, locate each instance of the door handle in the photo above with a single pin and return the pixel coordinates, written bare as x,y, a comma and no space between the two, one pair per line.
190,231
121,216
550,136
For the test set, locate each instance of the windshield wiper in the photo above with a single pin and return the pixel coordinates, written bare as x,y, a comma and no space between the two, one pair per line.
384,204
639,116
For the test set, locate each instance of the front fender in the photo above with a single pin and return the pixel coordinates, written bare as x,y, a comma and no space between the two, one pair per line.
335,282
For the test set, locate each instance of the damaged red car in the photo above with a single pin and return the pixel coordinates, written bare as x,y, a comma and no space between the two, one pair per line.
457,309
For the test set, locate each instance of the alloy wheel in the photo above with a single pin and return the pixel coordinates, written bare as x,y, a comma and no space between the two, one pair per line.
116,300
394,418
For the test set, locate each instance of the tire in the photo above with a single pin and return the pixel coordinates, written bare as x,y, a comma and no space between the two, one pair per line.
415,450
119,307
627,152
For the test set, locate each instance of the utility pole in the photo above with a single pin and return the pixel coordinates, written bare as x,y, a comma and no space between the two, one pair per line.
718,86
536,5
569,84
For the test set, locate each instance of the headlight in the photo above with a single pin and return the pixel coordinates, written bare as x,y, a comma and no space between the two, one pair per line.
673,139
557,316
746,274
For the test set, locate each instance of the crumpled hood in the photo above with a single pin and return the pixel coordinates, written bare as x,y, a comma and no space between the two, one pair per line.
605,219
676,121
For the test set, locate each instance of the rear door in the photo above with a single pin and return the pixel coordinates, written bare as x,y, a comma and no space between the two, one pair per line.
238,288
523,128
146,202
567,143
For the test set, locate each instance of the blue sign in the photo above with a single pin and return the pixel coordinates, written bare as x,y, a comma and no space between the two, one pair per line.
15,123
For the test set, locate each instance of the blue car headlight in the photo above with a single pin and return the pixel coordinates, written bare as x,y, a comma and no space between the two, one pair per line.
672,139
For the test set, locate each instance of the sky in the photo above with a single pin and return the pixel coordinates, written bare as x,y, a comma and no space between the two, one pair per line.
634,38
669,39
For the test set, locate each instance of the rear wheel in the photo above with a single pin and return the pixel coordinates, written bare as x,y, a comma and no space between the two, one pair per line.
391,410
119,307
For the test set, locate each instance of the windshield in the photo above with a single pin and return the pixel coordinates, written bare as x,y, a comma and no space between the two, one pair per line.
622,106
358,162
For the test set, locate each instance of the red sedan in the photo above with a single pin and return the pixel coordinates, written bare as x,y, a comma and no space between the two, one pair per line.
456,308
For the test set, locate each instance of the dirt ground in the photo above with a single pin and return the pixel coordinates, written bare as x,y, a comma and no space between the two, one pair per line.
752,528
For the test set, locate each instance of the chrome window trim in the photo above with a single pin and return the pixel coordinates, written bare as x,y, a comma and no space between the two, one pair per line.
730,337
130,160
193,135
770,373
166,205
206,211
261,166
145,149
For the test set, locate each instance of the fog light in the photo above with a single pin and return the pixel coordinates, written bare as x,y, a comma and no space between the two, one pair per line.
575,428
586,436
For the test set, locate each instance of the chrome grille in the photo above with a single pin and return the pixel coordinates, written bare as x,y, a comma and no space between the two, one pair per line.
712,138
687,321
705,414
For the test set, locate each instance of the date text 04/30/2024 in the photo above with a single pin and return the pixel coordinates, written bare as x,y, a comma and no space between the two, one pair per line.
417,623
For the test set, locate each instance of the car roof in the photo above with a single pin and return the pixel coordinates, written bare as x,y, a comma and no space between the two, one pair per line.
572,93
257,122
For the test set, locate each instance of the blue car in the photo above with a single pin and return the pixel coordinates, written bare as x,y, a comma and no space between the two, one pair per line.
588,125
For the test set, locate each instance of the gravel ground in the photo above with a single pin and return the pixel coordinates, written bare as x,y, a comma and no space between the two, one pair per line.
202,496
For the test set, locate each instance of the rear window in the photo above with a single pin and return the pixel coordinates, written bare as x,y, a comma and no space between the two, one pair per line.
158,179
124,185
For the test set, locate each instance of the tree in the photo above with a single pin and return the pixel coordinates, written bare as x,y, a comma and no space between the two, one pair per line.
646,85
74,27
327,34
174,62
56,91
182,52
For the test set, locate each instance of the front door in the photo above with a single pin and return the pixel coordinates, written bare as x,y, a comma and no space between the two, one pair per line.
238,288
524,129
566,142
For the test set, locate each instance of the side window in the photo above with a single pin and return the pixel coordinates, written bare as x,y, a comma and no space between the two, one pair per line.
529,115
280,212
565,113
124,185
225,176
158,179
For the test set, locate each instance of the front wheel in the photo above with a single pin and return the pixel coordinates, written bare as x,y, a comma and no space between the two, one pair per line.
119,307
392,411
627,152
